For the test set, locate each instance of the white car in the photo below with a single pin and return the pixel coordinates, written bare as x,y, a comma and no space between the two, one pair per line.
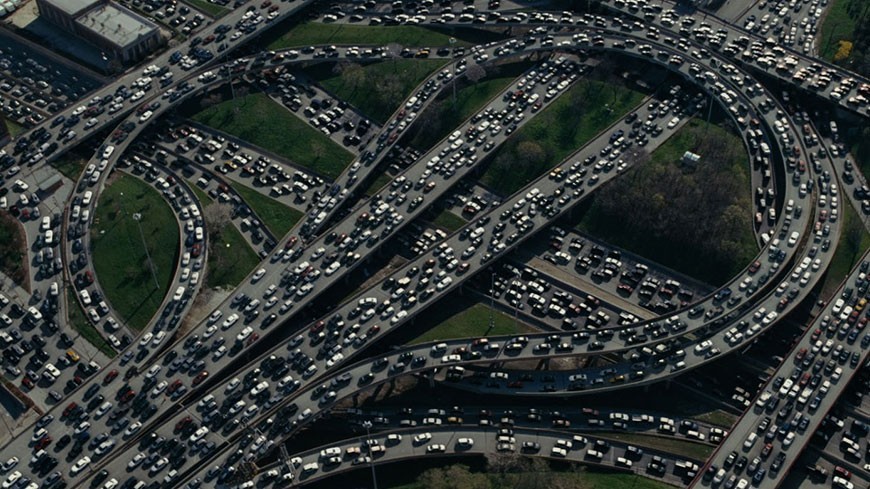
136,460
80,465
422,438
258,275
133,428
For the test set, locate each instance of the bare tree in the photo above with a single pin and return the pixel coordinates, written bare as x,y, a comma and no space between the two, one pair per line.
353,76
217,216
213,98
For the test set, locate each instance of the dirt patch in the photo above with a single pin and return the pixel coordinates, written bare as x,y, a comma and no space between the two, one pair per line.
206,301
13,250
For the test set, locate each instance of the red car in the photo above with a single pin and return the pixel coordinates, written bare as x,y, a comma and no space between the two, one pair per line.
174,386
42,443
110,376
69,409
26,382
128,396
181,424
200,377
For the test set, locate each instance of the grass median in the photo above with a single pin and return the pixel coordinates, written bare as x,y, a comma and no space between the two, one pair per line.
80,323
546,140
376,89
449,221
216,11
854,241
697,451
262,122
230,257
473,322
279,218
119,240
316,33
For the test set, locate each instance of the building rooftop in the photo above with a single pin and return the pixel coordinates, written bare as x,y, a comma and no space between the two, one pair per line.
119,26
72,7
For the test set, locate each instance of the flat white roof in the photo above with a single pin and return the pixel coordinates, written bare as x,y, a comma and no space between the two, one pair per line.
72,6
119,26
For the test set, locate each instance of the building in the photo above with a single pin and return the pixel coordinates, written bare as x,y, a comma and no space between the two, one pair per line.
121,34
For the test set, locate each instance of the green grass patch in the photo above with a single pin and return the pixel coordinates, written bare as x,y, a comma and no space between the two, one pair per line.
209,8
854,241
313,33
378,183
443,116
376,89
717,417
262,122
13,250
546,140
119,254
473,322
279,218
839,24
449,221
70,167
230,258
685,448
14,128
684,207
84,327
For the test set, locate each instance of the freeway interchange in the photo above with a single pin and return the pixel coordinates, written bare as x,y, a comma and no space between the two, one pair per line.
156,391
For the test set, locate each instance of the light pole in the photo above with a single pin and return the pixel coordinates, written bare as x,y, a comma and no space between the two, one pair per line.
452,41
138,218
367,425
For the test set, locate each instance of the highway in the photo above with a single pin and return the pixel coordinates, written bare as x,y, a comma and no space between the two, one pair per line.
799,395
313,465
525,212
381,372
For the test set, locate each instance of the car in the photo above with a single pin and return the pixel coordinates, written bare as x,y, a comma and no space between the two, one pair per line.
436,448
80,465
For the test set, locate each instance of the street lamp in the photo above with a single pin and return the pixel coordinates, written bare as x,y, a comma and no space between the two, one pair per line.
368,425
452,42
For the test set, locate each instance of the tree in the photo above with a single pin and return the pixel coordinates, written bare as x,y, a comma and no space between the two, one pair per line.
352,76
843,51
456,476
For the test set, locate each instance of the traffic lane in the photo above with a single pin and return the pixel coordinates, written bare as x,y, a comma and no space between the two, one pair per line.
587,419
264,282
739,438
163,59
228,356
283,170
189,163
732,32
94,398
483,441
